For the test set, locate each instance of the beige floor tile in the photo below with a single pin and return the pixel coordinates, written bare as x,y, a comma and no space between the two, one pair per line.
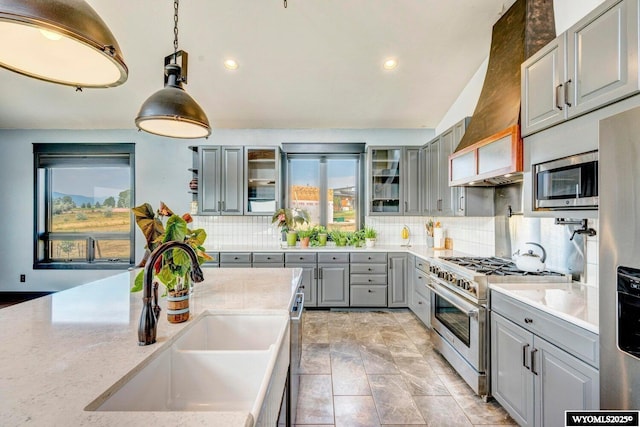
480,412
420,378
439,411
393,400
348,374
355,411
377,359
313,332
315,359
315,400
455,384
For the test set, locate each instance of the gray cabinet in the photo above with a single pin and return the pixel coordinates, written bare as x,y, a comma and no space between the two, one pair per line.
261,168
333,285
412,181
368,279
419,301
385,189
397,282
533,379
267,260
309,285
235,260
220,180
568,78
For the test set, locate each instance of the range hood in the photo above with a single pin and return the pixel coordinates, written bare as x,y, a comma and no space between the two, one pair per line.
490,152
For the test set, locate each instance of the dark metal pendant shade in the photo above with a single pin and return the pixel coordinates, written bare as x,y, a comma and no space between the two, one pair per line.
172,112
59,41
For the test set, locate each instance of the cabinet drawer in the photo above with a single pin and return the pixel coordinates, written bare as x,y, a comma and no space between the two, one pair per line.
300,258
215,257
575,340
422,265
421,308
268,265
235,265
368,296
235,257
421,280
368,279
266,257
369,268
374,257
341,257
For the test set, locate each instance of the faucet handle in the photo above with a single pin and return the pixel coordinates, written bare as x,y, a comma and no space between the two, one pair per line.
156,307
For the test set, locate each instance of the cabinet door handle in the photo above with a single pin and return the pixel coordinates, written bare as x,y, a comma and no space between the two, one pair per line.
370,291
533,360
219,205
406,206
558,103
368,269
419,302
461,203
439,204
528,320
320,273
315,273
370,280
524,355
566,93
301,286
419,277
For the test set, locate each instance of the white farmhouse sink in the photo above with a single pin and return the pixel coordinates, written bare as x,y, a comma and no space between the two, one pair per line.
221,362
232,332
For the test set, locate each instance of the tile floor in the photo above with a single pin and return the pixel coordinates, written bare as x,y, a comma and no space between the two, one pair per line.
378,368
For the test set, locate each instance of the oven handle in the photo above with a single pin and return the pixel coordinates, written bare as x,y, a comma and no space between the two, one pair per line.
467,309
299,304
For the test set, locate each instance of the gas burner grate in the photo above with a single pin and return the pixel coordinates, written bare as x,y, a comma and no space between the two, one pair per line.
493,266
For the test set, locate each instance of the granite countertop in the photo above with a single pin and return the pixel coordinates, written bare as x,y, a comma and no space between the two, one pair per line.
574,302
62,351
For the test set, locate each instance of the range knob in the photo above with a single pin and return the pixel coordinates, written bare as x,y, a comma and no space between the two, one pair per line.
473,288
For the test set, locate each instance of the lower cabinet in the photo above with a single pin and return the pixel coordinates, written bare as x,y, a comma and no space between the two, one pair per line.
419,301
235,260
333,280
368,279
536,381
309,285
397,283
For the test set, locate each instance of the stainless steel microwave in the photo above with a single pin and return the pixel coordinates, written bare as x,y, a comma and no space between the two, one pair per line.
567,183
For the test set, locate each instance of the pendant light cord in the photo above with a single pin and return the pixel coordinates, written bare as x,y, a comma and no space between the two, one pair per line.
176,4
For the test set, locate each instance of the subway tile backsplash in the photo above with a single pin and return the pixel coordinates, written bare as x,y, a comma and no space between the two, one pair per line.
472,235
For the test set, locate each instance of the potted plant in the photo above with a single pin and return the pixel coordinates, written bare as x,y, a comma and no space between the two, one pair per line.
305,236
322,235
288,219
356,238
172,268
370,235
339,237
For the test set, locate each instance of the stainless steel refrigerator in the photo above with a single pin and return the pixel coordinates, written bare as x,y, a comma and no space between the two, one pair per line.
619,260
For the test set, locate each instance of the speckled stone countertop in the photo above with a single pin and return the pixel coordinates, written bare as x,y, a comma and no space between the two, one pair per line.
62,351
574,302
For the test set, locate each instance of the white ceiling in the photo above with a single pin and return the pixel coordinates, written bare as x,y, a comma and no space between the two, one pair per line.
315,64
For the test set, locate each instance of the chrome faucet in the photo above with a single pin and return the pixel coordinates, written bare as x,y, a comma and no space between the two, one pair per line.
148,318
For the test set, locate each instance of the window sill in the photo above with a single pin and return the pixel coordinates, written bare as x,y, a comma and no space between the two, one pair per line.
83,266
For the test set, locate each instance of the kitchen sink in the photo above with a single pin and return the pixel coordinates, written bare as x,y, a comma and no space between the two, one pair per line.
232,332
221,362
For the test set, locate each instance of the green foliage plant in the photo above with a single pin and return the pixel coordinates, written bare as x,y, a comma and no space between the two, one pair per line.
172,268
370,233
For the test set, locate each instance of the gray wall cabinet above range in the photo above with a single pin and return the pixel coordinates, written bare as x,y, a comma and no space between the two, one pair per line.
568,76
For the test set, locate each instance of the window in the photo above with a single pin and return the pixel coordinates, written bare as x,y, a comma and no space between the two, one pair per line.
326,180
83,195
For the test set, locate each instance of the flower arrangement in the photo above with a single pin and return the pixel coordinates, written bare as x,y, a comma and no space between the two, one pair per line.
288,219
172,269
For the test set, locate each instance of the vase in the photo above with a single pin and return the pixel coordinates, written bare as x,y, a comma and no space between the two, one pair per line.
292,237
322,239
370,242
178,306
304,242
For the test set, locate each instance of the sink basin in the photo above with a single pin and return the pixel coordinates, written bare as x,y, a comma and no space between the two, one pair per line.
194,381
221,362
232,332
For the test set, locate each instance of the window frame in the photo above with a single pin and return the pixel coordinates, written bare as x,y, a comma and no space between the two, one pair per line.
323,152
43,206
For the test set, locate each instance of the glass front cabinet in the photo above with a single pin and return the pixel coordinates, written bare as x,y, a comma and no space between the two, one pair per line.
261,180
385,191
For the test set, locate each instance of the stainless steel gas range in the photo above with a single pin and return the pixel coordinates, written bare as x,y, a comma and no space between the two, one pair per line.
460,314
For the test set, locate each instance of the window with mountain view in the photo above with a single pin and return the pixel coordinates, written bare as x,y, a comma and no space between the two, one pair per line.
84,193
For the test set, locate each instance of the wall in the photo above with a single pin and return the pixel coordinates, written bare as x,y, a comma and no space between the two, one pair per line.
161,175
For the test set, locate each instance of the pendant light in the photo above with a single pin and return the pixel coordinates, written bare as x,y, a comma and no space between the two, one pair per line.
59,41
171,111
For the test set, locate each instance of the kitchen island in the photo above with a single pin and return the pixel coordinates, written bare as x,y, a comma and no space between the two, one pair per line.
62,351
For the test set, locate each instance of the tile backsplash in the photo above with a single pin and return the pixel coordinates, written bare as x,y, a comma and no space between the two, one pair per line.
472,235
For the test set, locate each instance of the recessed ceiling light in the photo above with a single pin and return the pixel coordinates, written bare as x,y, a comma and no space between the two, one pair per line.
230,64
390,64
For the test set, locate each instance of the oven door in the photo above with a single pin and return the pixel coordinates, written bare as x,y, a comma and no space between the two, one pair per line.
461,323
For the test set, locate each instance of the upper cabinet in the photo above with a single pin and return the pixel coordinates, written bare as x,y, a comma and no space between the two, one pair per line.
261,183
220,178
591,65
385,192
